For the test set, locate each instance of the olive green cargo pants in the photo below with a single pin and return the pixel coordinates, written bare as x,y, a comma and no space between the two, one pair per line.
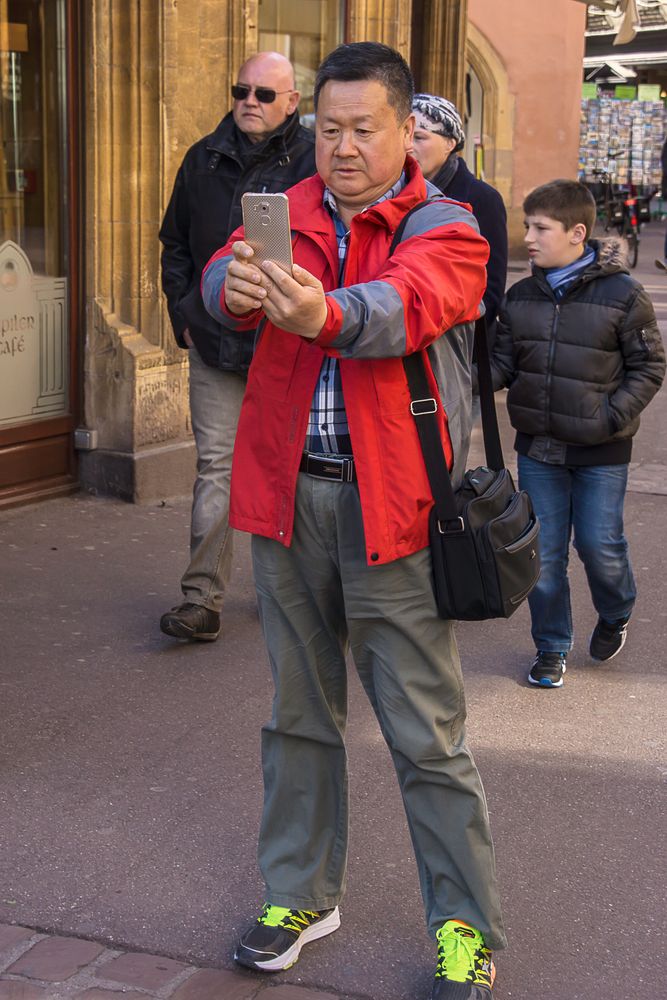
316,598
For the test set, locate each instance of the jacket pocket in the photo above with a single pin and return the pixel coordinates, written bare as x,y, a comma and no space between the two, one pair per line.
236,350
651,339
611,423
648,340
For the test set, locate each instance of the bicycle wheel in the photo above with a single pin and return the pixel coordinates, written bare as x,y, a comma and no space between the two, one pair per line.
630,234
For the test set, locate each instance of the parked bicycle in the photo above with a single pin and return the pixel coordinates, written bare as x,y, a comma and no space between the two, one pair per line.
623,209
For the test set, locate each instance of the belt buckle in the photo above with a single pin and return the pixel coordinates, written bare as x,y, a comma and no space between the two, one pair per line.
338,469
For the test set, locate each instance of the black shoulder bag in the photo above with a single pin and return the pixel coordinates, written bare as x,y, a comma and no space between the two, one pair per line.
483,537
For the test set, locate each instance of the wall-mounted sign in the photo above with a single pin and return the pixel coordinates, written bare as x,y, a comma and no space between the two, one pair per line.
625,92
648,92
33,341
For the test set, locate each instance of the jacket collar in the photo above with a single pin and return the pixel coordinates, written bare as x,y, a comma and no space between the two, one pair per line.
226,139
308,214
610,259
448,171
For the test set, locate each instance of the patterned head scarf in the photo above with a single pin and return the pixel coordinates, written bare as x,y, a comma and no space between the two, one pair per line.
442,114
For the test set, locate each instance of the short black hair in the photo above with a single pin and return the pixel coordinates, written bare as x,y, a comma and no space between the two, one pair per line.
568,202
370,61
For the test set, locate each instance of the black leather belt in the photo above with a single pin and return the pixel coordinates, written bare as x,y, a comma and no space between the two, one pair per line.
321,467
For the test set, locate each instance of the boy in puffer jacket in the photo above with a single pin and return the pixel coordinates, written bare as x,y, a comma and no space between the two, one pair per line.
579,347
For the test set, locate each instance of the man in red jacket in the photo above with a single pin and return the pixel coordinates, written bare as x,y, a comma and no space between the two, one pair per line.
329,477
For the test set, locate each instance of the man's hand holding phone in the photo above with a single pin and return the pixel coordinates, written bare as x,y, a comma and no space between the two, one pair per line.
295,303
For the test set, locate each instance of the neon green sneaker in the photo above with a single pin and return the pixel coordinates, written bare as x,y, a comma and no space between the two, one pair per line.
465,970
275,939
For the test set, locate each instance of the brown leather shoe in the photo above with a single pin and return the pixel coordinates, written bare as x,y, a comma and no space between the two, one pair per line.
191,621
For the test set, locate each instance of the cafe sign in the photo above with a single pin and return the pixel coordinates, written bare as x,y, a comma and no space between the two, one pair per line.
33,341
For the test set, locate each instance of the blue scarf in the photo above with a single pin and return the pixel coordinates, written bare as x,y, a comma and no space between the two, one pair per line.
560,278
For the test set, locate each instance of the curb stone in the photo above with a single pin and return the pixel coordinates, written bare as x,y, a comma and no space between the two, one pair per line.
37,966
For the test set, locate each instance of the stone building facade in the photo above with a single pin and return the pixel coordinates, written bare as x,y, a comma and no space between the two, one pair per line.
131,84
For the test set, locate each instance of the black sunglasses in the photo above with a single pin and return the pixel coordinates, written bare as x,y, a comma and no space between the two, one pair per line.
265,95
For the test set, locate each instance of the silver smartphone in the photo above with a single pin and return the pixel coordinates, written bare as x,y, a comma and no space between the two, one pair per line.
267,228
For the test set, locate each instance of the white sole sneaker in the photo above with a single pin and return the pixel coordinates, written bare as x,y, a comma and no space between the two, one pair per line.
606,659
327,925
545,682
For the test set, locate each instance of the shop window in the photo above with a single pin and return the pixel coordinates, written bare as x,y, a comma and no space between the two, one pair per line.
304,32
34,336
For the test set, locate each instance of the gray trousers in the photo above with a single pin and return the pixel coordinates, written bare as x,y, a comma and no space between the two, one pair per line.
215,404
316,598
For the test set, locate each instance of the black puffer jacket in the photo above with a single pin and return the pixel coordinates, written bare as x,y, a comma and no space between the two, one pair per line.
205,207
580,370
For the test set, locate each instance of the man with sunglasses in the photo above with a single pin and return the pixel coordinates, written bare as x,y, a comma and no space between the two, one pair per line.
259,146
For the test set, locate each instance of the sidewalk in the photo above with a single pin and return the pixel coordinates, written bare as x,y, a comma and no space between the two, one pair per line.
38,967
130,786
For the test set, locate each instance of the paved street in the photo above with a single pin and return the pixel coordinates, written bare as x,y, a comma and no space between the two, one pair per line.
130,786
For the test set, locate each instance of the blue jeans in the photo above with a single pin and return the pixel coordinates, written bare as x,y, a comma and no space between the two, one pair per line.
588,500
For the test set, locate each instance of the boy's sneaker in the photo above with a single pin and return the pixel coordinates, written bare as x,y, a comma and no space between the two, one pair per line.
465,970
548,669
660,264
273,943
608,638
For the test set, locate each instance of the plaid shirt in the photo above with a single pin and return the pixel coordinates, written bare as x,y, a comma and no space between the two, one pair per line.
328,432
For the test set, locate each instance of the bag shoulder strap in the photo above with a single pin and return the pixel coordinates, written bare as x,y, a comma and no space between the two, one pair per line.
424,408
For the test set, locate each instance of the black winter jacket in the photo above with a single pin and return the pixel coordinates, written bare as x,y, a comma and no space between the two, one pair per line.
580,370
205,208
489,210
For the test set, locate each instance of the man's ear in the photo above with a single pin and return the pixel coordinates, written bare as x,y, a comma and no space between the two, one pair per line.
409,132
293,102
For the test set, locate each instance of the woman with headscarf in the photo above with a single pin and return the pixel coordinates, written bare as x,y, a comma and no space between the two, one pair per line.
438,137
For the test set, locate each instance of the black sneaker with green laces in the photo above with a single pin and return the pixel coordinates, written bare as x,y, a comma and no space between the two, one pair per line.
465,970
273,943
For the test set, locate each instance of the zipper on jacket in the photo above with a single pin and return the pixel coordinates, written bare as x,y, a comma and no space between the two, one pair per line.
552,351
643,336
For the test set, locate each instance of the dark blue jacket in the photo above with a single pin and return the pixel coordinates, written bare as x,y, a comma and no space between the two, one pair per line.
489,210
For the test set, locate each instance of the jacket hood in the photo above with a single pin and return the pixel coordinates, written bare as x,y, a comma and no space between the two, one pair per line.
612,255
611,258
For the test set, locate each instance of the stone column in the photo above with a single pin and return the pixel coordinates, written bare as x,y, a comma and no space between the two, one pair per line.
157,79
385,21
443,52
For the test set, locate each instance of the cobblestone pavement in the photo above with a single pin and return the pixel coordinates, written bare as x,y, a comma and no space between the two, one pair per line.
35,966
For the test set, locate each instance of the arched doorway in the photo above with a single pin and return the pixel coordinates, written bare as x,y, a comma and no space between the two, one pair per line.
492,110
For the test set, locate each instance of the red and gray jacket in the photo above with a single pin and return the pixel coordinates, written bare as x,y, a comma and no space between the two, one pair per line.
425,296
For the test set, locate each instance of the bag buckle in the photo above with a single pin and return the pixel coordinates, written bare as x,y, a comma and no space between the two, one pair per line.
451,527
420,407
